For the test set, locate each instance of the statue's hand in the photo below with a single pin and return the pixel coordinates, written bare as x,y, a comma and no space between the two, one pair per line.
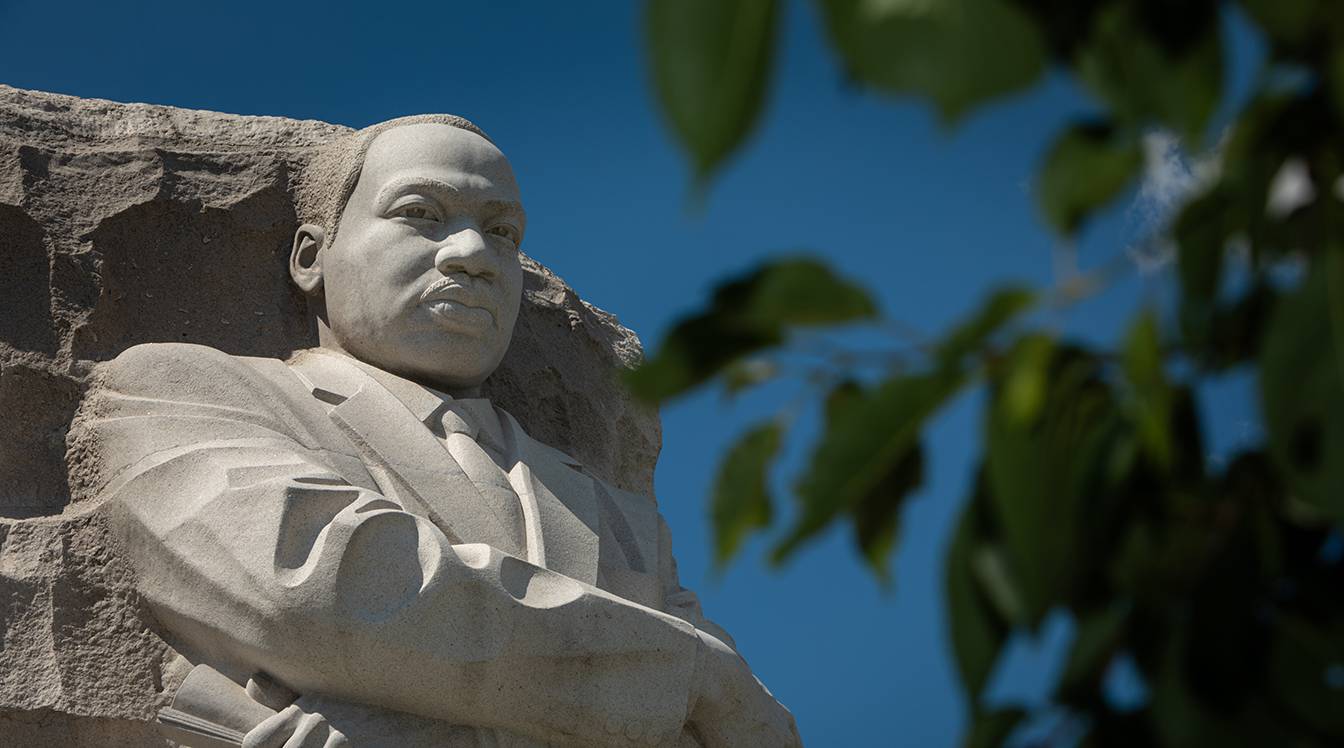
733,708
294,728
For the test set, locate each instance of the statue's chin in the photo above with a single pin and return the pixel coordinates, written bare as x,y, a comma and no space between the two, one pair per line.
458,371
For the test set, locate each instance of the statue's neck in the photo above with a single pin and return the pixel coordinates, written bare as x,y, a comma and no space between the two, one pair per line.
327,340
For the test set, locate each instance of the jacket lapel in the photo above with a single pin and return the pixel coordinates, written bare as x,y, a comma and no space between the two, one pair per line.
565,501
412,462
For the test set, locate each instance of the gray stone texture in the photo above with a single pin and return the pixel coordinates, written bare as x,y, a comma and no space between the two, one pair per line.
128,223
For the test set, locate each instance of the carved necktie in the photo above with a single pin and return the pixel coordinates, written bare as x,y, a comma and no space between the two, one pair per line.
461,437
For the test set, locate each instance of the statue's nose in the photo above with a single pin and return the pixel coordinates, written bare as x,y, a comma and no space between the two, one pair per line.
465,251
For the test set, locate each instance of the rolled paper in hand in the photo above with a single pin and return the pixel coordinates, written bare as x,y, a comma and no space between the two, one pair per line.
210,711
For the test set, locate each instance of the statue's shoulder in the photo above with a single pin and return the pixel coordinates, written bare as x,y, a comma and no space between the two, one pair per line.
149,355
175,366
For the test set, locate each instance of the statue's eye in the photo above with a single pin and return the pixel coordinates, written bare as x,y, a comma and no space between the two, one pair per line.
417,211
504,230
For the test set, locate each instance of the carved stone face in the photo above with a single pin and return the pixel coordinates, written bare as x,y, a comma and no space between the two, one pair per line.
423,278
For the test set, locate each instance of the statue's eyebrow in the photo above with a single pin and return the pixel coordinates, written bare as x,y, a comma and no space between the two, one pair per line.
447,192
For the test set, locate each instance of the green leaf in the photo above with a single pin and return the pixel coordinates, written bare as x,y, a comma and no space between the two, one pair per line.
999,309
795,291
695,350
1287,21
1300,661
1094,643
1055,446
1335,79
1302,386
956,53
1170,75
741,500
746,315
745,374
1088,166
877,516
712,62
1143,364
977,630
1025,384
1201,232
868,435
997,581
991,728
1181,718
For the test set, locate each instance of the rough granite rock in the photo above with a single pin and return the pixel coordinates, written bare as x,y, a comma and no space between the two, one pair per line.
129,223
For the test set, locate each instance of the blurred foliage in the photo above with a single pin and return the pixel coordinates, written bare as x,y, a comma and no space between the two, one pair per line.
1220,584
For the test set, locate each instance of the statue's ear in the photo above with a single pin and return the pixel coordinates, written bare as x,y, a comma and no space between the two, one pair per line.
305,259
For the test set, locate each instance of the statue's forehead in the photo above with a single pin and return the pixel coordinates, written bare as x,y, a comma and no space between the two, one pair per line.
435,149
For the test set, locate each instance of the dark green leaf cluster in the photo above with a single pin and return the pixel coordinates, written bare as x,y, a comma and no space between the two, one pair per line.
746,315
1217,583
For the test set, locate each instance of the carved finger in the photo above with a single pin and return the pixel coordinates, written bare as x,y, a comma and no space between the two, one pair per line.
273,732
311,732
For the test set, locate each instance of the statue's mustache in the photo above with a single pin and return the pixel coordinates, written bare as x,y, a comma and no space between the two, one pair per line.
459,289
465,292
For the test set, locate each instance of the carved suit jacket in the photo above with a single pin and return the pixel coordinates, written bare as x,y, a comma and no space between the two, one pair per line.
299,520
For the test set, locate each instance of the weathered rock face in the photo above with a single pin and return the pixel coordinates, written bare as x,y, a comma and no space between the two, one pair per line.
123,224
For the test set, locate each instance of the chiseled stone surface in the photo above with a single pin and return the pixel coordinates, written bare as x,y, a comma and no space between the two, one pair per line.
125,224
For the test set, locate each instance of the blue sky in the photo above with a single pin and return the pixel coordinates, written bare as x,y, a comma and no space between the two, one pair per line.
929,218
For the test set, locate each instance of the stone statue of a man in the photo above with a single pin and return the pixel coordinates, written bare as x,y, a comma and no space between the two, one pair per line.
379,553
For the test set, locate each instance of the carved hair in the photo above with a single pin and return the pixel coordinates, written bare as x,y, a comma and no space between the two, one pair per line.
331,176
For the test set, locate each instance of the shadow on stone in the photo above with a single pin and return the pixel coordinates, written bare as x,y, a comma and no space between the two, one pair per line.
25,284
37,408
176,271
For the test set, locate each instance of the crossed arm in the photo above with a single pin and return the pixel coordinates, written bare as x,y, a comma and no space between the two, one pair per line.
257,549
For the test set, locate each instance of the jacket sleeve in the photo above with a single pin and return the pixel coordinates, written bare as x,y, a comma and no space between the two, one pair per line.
253,549
682,602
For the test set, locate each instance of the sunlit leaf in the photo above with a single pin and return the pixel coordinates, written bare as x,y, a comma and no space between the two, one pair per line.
712,62
1025,383
746,315
1087,167
741,500
956,53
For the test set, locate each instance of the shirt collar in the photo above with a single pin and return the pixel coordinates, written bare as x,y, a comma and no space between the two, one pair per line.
432,407
422,401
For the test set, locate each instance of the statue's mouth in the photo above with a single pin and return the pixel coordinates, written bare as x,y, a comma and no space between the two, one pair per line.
450,298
